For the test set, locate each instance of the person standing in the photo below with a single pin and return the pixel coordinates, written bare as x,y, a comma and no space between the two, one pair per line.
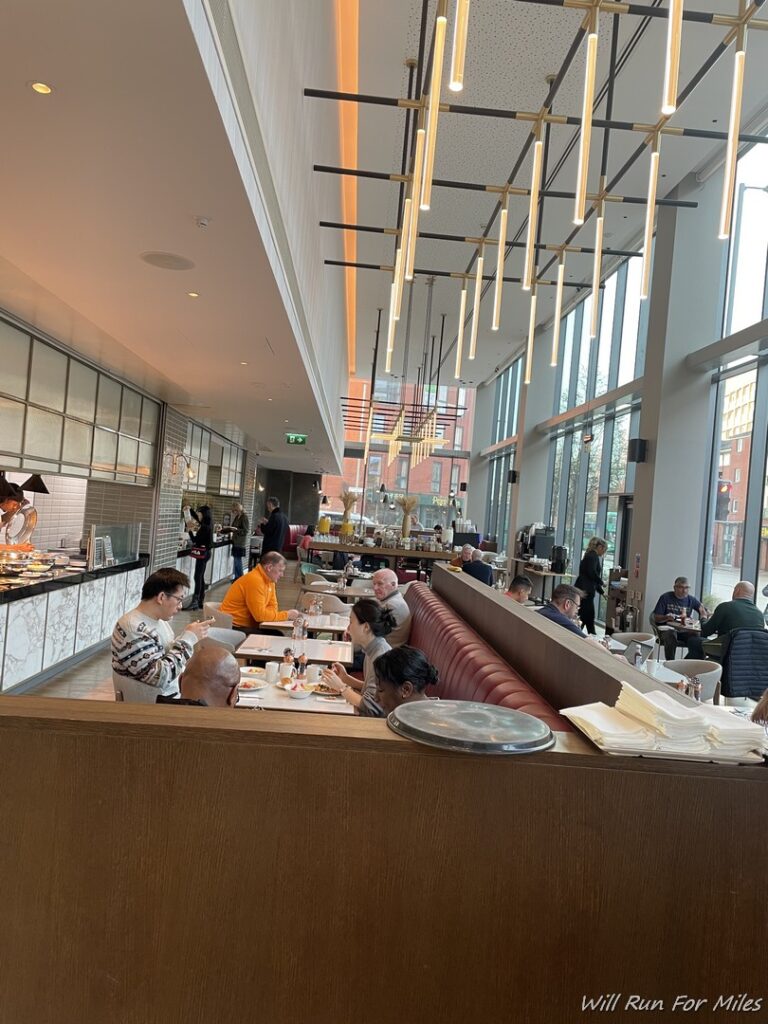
590,581
274,528
240,530
202,542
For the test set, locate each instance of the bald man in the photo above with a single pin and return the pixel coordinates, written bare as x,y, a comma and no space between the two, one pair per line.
210,679
738,613
385,589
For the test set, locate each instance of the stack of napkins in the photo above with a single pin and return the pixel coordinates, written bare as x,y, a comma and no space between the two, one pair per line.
657,723
609,728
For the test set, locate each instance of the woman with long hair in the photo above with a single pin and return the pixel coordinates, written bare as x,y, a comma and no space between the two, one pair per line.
590,581
202,541
369,624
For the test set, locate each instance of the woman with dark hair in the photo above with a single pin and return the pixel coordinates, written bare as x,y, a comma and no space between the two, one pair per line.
590,581
202,540
369,623
402,676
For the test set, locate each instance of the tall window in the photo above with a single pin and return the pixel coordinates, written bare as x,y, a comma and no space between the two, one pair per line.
401,480
747,264
437,476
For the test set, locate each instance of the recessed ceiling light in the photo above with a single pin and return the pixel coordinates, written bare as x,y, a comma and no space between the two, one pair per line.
243,364
286,421
194,295
42,88
269,399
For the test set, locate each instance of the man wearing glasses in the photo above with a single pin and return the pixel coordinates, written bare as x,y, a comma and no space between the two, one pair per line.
563,608
144,648
676,608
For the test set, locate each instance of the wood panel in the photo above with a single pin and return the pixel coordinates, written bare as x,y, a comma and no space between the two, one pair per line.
177,864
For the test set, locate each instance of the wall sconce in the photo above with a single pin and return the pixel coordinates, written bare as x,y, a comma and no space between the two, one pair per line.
177,459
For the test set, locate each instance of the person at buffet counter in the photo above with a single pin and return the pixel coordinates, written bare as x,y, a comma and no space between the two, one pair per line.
143,645
674,606
210,679
274,527
369,624
402,676
590,581
253,598
738,613
478,569
520,589
387,593
202,539
563,608
240,530
465,555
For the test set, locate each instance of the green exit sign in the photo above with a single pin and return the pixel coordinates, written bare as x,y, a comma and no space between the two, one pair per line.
295,438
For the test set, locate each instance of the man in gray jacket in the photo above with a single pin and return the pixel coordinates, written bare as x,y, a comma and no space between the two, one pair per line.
385,588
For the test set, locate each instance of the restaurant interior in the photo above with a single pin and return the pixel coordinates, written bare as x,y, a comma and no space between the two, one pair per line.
358,313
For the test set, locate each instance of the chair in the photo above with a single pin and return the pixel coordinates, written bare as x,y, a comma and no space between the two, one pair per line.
229,638
313,577
212,610
332,605
708,672
633,638
132,691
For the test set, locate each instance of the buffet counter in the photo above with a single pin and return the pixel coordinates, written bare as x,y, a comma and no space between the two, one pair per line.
218,569
46,625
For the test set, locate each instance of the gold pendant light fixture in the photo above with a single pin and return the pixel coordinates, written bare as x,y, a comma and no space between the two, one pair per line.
672,57
476,304
650,212
531,334
533,209
558,310
734,126
588,102
433,107
460,29
460,335
500,254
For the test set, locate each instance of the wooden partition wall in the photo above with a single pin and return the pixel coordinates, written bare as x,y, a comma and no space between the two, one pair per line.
165,865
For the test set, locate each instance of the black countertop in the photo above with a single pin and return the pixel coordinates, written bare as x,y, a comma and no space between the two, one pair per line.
184,552
14,590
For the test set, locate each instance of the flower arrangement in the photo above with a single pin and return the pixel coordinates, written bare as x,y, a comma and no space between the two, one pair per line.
348,500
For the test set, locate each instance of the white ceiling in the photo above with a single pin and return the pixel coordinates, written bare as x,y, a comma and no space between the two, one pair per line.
124,157
512,47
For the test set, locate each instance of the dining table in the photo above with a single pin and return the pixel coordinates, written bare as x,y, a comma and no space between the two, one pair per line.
265,647
272,697
350,594
314,624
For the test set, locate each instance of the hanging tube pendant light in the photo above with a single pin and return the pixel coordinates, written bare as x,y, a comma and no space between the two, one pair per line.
500,254
413,227
533,213
476,305
460,335
433,110
558,310
596,269
460,28
391,327
585,137
650,212
672,57
734,126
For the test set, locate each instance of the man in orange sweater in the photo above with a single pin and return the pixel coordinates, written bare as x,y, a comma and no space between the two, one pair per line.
253,599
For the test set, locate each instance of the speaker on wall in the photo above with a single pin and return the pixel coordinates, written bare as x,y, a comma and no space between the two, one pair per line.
513,476
462,487
637,449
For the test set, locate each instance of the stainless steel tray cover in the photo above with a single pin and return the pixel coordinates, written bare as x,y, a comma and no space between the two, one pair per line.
469,726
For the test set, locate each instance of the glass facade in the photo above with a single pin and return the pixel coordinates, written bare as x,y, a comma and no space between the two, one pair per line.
201,447
59,415
504,428
591,481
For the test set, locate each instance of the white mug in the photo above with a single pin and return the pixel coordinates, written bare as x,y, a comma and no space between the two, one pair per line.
273,671
286,670
313,673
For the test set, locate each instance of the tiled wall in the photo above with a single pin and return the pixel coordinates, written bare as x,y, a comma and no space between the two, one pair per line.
108,504
168,500
60,513
249,487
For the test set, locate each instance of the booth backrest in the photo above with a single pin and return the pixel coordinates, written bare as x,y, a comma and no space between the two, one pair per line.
293,537
469,668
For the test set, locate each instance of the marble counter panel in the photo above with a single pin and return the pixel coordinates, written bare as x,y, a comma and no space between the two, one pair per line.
61,624
25,639
114,603
133,585
89,614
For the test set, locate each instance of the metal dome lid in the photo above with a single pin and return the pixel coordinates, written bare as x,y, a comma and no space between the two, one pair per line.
471,727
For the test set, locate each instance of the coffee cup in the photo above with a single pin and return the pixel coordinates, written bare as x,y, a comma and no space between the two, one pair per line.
313,673
273,671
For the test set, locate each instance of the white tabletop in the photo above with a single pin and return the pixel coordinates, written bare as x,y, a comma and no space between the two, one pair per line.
274,698
314,623
263,647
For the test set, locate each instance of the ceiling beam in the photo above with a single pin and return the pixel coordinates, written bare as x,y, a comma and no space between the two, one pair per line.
389,269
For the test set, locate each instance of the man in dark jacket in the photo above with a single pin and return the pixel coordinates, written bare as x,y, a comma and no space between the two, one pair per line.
738,613
274,528
478,569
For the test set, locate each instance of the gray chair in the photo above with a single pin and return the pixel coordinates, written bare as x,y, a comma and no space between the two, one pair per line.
708,673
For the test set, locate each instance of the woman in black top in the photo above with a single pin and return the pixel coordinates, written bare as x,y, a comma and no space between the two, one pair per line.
590,581
202,539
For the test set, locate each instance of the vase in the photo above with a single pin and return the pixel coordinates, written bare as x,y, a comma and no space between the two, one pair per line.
405,529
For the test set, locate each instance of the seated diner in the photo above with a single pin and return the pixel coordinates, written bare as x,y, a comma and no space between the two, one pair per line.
369,625
252,598
402,676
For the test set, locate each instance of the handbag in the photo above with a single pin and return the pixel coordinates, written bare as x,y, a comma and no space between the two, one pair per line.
198,553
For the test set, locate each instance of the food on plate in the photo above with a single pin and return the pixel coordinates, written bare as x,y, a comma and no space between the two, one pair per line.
325,691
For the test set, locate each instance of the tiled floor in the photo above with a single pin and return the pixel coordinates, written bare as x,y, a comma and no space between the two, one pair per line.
92,679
